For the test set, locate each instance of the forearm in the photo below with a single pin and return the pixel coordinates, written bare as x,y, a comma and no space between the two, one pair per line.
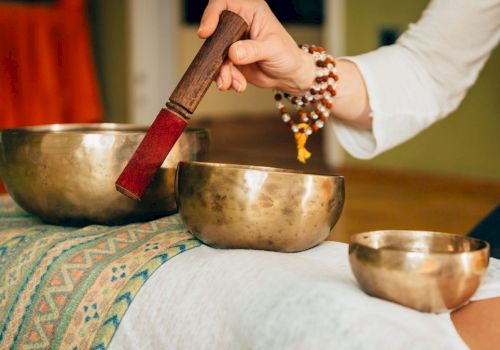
351,102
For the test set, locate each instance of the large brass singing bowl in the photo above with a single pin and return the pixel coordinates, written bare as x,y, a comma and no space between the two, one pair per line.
237,206
65,173
427,271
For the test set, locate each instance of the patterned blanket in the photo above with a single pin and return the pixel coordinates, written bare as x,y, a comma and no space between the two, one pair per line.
67,287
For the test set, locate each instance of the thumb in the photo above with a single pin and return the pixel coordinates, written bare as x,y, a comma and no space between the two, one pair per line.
247,51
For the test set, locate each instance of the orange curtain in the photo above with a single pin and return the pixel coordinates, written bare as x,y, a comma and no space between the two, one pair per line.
47,74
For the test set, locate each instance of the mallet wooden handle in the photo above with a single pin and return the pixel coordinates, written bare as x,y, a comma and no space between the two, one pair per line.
170,122
204,67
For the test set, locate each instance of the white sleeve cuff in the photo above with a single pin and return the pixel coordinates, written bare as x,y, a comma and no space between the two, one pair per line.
401,98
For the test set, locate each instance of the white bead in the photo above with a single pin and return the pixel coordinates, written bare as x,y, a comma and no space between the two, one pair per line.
326,113
331,81
309,131
314,115
279,105
322,109
330,66
305,119
310,97
320,123
295,128
285,117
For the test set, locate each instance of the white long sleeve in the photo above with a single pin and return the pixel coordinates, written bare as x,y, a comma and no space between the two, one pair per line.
425,75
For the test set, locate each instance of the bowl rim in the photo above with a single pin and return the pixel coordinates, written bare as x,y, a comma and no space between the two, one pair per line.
87,128
259,168
360,239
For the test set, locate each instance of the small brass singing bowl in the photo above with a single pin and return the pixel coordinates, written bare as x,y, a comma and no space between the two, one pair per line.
426,271
250,207
66,173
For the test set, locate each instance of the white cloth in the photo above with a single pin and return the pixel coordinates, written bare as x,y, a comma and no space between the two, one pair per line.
245,299
425,75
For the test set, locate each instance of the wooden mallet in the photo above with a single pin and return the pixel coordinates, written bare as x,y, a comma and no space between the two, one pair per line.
171,121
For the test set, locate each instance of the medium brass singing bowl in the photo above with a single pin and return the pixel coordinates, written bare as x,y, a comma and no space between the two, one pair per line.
427,271
66,173
239,206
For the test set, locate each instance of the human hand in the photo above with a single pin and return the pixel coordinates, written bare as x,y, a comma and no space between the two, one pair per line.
269,58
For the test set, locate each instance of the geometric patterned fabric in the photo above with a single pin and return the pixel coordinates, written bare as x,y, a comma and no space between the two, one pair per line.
69,288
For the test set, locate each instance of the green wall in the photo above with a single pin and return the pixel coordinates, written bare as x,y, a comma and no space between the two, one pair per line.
108,23
467,143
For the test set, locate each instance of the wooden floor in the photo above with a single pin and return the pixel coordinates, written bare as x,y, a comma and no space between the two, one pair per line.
375,199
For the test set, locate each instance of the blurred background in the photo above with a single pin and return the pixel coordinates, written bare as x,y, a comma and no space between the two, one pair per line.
137,41
118,61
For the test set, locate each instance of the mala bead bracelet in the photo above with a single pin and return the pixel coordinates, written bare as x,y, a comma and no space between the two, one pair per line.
320,97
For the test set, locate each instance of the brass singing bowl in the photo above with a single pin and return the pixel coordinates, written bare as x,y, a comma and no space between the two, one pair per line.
427,271
239,206
66,173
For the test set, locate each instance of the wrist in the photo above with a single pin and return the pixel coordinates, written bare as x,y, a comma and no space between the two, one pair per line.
306,73
303,75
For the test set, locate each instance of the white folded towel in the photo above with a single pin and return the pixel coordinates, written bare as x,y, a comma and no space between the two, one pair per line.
245,299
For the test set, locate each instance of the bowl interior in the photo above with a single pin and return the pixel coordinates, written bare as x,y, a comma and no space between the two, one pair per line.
254,168
419,241
89,128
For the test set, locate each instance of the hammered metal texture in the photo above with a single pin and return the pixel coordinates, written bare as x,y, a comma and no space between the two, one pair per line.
427,271
65,174
235,206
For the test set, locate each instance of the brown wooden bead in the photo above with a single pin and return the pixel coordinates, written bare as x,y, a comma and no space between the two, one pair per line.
283,110
321,64
300,113
323,117
331,60
278,97
313,91
314,127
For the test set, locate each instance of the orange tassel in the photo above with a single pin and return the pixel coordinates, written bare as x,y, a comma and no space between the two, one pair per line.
300,139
